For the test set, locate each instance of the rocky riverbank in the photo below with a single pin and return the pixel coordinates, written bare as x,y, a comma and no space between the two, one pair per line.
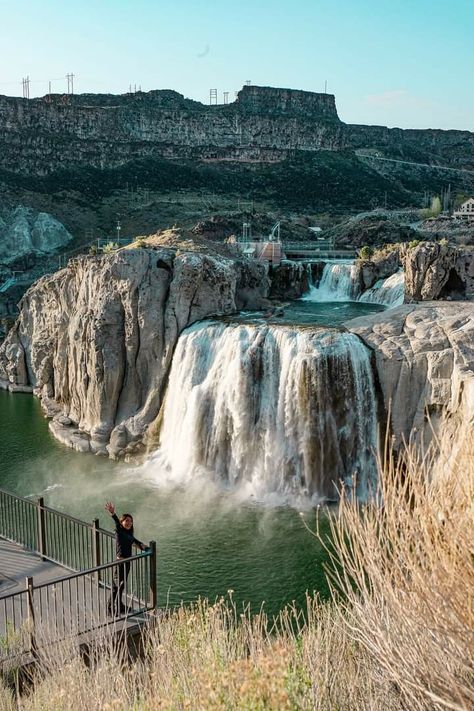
95,340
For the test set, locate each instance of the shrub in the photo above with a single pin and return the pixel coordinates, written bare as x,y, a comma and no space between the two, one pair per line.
110,247
414,243
407,575
366,252
94,250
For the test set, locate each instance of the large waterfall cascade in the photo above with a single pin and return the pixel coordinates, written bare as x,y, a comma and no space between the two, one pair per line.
340,282
273,409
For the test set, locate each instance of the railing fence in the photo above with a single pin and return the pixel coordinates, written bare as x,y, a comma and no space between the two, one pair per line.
75,603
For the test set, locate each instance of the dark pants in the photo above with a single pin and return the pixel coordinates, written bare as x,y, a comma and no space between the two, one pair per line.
119,586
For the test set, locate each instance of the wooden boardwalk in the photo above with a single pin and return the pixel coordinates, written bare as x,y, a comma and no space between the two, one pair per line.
17,563
57,574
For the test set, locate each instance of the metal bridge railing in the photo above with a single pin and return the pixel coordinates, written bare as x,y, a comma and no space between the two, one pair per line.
74,603
55,535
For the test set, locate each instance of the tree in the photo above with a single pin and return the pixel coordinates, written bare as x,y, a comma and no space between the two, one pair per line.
365,252
436,206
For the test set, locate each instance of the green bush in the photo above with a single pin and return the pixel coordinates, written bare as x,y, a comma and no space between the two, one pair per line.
94,250
110,247
366,252
414,243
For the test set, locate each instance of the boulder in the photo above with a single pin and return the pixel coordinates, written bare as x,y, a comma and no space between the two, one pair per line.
23,231
437,270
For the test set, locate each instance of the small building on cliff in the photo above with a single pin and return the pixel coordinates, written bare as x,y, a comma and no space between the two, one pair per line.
465,211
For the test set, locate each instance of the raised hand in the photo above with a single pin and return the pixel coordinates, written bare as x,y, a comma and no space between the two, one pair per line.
110,508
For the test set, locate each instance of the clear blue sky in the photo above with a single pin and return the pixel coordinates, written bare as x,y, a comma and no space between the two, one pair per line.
407,63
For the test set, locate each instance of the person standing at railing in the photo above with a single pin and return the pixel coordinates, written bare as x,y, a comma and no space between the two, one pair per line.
124,540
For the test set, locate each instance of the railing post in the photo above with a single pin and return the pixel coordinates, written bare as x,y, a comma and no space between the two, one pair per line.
31,613
96,546
153,597
41,528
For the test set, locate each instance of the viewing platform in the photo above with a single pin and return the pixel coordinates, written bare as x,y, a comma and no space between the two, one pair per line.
56,579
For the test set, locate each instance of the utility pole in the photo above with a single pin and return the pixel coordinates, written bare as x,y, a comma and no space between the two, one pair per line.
26,87
119,227
325,86
70,83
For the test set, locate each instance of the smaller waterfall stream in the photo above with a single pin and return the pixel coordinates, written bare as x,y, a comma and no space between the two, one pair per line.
389,291
341,282
278,410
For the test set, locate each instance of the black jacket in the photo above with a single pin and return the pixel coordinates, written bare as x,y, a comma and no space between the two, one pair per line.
124,540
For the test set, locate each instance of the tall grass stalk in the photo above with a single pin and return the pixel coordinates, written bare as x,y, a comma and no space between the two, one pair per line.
404,576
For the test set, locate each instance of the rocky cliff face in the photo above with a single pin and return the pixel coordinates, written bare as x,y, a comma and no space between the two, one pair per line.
24,231
40,136
96,340
63,133
435,271
424,356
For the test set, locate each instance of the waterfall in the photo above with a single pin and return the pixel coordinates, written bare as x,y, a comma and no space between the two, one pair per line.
389,291
339,282
276,410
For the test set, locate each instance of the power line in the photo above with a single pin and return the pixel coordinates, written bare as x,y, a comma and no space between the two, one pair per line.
421,165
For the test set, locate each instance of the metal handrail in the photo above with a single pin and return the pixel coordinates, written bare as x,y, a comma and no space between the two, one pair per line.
74,604
69,541
55,535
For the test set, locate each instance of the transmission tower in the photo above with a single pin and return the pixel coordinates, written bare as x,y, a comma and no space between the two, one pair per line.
213,96
226,97
70,83
26,87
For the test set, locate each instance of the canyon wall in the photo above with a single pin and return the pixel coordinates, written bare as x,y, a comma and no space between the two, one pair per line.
424,356
95,340
264,124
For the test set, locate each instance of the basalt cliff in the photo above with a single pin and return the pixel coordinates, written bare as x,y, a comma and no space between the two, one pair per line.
95,340
285,145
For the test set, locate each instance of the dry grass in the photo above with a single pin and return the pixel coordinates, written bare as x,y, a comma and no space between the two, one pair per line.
398,635
211,657
407,578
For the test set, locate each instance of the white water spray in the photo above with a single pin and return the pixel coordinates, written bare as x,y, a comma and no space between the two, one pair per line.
272,410
339,282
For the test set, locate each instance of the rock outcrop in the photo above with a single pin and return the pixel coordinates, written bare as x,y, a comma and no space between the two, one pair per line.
24,231
370,229
380,266
436,270
424,356
95,340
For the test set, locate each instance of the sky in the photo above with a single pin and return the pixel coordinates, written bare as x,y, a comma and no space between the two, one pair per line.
406,63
